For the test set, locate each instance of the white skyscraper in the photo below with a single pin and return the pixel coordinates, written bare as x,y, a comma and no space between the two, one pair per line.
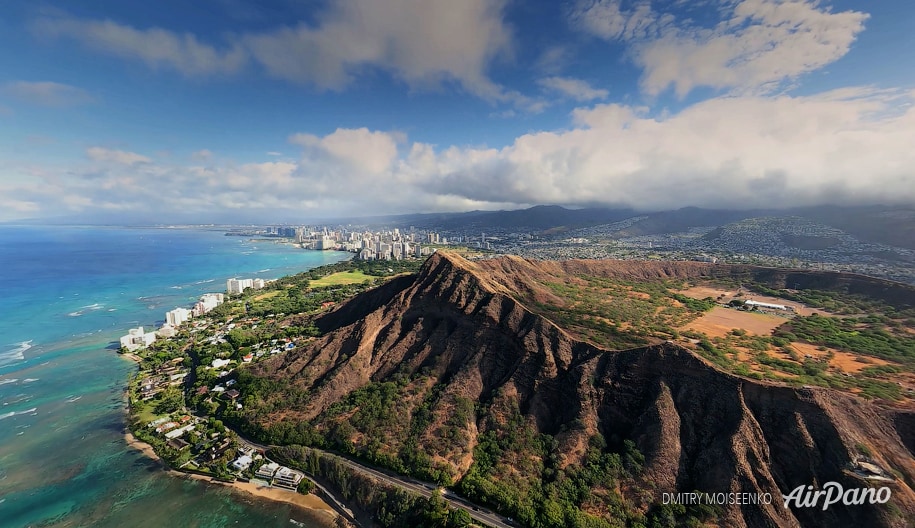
236,286
177,316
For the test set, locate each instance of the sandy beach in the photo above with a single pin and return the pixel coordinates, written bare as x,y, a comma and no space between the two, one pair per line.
310,501
133,357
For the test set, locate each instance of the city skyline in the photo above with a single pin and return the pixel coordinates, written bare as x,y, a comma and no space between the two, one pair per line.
229,110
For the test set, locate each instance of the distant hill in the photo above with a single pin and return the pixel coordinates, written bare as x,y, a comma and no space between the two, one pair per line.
684,219
877,224
539,218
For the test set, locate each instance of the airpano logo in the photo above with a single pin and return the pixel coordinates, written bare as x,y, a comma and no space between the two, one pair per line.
833,493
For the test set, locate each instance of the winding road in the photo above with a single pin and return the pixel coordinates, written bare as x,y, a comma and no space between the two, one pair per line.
426,489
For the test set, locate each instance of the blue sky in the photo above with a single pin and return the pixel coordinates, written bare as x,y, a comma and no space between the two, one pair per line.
228,109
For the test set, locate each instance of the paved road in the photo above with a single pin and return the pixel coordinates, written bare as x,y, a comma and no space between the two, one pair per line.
425,489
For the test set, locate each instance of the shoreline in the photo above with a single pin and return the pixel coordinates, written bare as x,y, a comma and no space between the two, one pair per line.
310,502
131,356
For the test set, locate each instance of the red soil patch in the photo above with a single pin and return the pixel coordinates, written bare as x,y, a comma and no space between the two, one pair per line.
701,292
844,361
719,321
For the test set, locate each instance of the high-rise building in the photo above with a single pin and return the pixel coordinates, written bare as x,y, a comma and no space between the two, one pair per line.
236,286
177,316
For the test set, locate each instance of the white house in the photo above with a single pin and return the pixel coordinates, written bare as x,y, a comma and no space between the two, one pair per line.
241,463
219,363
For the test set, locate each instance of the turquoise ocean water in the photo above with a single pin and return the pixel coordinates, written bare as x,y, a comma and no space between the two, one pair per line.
68,293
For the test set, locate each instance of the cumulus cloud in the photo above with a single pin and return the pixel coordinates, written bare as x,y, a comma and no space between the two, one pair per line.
360,148
756,46
420,42
158,48
576,89
46,93
737,152
845,146
121,157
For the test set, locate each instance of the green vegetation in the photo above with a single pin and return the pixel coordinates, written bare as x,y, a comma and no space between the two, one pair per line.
170,400
775,359
341,278
833,301
378,415
519,472
390,505
310,291
618,314
864,336
696,305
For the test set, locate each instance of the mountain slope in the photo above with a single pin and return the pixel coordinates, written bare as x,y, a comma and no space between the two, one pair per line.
449,372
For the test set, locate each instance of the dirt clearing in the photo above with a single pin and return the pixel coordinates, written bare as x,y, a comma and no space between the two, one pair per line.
719,321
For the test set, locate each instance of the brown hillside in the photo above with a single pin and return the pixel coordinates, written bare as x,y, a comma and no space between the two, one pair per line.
459,325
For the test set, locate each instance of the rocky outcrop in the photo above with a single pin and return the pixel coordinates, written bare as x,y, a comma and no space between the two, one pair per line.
698,428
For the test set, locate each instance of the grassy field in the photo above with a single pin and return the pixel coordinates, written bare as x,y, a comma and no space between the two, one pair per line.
266,295
341,278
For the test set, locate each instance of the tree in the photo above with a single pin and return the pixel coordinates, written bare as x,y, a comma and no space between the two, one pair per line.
306,486
459,517
170,400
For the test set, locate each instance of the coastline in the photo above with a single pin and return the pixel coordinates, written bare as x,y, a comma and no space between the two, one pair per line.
131,356
309,502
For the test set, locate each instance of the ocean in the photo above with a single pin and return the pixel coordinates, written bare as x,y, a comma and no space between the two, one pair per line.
66,295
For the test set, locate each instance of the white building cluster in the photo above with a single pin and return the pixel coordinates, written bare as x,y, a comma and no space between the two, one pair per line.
207,302
136,339
235,286
178,316
389,244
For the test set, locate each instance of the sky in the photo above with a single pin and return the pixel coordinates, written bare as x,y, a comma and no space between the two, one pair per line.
235,110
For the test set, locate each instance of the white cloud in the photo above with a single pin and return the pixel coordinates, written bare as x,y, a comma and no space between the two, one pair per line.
737,152
115,156
372,152
155,46
577,89
420,42
608,20
46,93
845,146
756,47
